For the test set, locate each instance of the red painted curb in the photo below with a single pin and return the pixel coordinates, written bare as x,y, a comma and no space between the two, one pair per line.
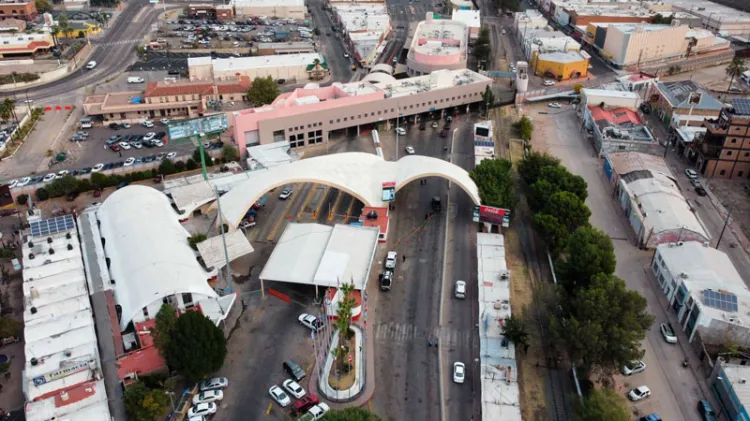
279,295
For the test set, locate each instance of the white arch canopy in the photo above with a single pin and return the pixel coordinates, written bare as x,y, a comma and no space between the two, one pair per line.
357,173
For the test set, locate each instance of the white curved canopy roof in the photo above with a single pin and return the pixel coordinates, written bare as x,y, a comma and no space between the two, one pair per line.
382,67
150,257
379,78
360,174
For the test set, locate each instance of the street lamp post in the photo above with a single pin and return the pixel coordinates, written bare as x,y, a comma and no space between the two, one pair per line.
398,117
726,222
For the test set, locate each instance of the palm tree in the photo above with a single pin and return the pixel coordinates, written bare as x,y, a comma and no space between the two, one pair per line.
54,30
316,70
10,105
5,113
64,24
734,69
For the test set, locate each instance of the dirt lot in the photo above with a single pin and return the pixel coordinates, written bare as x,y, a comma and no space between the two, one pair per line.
735,195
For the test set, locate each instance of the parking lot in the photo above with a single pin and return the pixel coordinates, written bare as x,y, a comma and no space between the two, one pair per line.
162,60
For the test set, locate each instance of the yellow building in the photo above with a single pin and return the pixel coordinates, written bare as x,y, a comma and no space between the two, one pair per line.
561,65
76,28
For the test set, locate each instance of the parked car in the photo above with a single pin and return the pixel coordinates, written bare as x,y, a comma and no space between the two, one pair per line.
701,191
695,182
460,290
668,333
554,105
208,396
690,173
390,260
24,181
386,280
215,383
310,321
634,367
279,396
294,370
304,404
286,193
548,83
97,168
706,410
318,411
130,161
124,145
639,393
171,155
49,177
114,126
410,150
294,388
459,372
401,131
202,409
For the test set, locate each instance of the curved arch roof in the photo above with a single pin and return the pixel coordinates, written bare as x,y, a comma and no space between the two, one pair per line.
148,250
360,174
379,78
382,67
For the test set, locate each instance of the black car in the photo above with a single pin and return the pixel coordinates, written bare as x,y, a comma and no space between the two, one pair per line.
422,126
85,171
114,126
149,158
294,370
119,164
160,135
386,280
173,71
701,191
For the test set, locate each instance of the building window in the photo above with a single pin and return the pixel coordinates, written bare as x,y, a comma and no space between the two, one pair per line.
330,122
346,118
187,298
359,115
145,311
729,153
734,140
338,120
747,154
739,173
722,172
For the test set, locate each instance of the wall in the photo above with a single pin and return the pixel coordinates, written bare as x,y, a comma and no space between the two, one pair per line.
561,71
648,45
154,307
587,19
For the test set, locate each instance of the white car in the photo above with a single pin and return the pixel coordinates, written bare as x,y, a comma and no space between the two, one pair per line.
12,183
390,260
24,181
639,393
634,367
137,145
554,105
90,65
49,177
279,396
130,161
164,121
147,123
548,83
62,173
401,131
158,143
310,321
294,388
460,289
346,55
459,372
208,396
201,409
97,168
668,333
172,155
317,411
148,136
691,174
215,383
286,193
124,145
410,150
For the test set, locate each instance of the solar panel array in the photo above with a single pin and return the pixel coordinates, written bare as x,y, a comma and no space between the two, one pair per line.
52,225
741,106
720,300
484,143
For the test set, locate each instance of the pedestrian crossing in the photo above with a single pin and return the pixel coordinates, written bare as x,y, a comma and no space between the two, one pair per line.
405,333
121,42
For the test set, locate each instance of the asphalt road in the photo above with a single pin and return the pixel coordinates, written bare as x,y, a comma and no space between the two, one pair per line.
113,52
406,317
330,46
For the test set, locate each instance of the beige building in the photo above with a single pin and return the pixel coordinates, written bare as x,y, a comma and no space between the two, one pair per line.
281,48
285,66
437,44
634,44
291,9
161,99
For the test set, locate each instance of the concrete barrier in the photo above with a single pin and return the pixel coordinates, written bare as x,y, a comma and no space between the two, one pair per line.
16,62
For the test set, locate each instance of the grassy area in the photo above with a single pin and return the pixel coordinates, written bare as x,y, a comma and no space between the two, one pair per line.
343,380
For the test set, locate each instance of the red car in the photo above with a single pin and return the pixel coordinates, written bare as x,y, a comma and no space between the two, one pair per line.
304,404
115,147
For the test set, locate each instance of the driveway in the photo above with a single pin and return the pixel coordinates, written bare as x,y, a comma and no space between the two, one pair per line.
674,389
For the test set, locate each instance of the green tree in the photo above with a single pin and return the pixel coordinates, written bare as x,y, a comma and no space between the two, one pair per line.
588,253
263,91
64,24
551,230
525,128
662,20
196,346
197,157
350,414
495,183
179,166
564,180
602,404
601,327
488,98
167,167
190,164
10,104
568,209
230,153
62,186
9,327
344,312
166,320
514,329
99,180
735,68
144,404
510,5
41,194
539,193
22,199
194,239
577,88
42,6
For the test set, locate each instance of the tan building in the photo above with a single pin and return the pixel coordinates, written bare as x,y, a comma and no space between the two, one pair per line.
161,99
634,44
11,24
287,67
724,150
281,48
290,9
24,45
21,10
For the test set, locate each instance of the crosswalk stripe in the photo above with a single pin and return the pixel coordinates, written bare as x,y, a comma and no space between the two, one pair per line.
405,333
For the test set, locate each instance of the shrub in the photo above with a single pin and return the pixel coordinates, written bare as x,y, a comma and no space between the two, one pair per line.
22,199
42,194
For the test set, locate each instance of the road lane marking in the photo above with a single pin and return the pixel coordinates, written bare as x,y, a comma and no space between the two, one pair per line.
335,205
307,200
349,209
276,226
322,199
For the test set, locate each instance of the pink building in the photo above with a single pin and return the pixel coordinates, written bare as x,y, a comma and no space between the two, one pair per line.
437,44
307,116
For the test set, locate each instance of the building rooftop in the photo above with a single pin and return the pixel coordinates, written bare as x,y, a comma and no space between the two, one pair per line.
470,18
737,378
620,123
213,249
84,402
256,62
498,368
626,162
322,255
678,94
565,57
606,10
708,9
706,268
160,89
440,37
269,3
282,45
636,27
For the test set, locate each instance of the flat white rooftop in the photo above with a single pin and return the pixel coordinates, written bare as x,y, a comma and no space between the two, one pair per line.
269,3
212,249
564,57
470,18
439,37
257,62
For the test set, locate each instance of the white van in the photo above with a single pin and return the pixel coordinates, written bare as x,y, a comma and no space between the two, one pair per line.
90,65
135,79
85,123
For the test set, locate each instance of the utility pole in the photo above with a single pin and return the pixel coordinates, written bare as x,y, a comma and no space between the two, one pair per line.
726,222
